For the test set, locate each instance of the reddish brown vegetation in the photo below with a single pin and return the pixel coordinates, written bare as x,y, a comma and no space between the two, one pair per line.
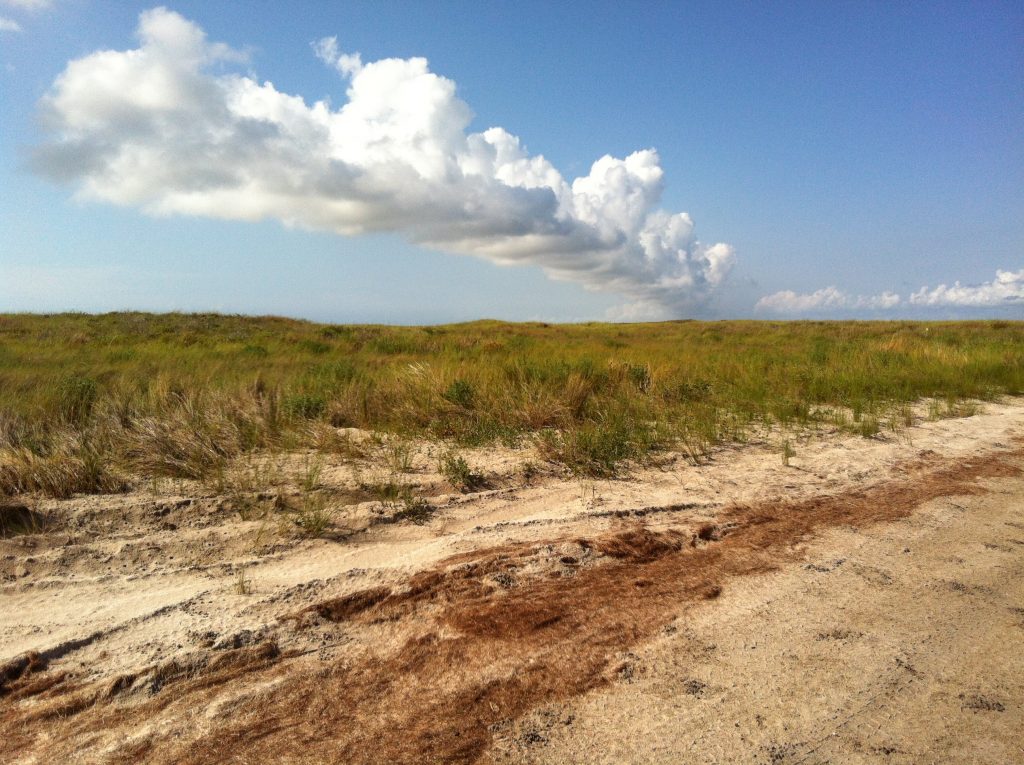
16,674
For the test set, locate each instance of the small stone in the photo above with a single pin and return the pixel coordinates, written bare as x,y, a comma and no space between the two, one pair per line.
21,571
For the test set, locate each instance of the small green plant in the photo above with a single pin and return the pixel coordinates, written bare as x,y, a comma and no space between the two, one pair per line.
384,490
398,455
399,499
588,493
246,505
962,408
905,415
415,509
312,470
869,427
838,417
313,517
528,471
599,450
788,452
696,442
245,481
242,584
458,473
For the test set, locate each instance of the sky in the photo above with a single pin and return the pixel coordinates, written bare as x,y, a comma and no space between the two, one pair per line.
413,163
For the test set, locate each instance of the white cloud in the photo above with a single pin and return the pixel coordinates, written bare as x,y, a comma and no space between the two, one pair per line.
327,50
1006,289
9,25
789,302
878,302
159,128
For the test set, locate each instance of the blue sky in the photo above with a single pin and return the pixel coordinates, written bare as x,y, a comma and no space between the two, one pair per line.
842,159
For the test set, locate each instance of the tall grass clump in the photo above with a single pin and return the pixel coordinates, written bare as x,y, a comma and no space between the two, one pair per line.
60,473
599,449
193,436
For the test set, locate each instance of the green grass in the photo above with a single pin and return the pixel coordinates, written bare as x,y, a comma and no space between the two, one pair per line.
458,473
312,517
88,402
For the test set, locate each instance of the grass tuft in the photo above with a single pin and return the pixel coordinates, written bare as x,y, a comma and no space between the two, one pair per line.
600,449
313,517
788,452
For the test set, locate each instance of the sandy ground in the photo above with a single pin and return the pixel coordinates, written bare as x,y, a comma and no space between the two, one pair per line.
864,603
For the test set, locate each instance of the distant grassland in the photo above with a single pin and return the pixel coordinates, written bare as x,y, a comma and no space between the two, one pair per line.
90,403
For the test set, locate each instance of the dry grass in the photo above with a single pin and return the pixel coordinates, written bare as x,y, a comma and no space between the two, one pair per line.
67,470
18,518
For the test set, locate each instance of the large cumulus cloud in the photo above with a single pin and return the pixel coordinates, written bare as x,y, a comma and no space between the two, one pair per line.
168,127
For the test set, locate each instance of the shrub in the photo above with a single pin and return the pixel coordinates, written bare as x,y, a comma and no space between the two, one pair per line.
415,509
457,472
